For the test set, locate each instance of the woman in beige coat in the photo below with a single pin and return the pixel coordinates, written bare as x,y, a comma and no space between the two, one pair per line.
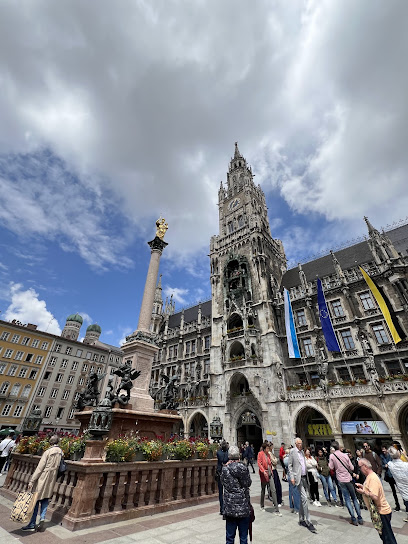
42,481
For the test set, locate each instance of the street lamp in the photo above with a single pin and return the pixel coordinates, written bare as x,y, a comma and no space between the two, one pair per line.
216,429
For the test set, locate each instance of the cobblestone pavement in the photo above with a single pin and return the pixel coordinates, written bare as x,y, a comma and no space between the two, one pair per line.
203,524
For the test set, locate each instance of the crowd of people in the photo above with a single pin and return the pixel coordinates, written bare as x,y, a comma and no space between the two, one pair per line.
347,480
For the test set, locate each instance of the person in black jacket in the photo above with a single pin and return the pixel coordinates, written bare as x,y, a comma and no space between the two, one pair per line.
222,459
237,505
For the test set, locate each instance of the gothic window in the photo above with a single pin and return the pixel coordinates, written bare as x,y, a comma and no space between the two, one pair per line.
237,351
393,367
308,348
367,301
347,339
230,227
193,347
380,334
207,340
358,372
343,373
301,317
314,378
240,221
302,378
337,308
235,322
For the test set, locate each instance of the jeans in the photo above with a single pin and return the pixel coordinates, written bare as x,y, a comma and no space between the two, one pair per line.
294,497
328,487
220,495
349,495
231,529
387,535
304,508
44,506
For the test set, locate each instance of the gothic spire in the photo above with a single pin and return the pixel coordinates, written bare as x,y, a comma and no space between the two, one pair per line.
237,154
371,229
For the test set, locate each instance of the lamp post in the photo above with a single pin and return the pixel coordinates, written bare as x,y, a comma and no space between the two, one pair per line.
216,428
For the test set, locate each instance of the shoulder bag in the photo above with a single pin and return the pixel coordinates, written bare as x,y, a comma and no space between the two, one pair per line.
375,516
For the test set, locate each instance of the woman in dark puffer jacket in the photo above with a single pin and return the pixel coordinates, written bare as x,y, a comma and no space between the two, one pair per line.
237,506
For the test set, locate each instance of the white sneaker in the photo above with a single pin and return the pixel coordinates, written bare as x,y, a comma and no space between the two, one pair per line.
317,503
262,509
278,514
280,505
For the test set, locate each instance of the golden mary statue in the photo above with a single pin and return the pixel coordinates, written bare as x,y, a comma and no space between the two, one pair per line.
162,226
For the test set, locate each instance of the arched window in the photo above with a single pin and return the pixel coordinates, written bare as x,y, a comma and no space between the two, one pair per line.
15,389
4,388
26,391
240,221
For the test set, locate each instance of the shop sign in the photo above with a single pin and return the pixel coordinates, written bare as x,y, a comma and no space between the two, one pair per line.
319,429
364,427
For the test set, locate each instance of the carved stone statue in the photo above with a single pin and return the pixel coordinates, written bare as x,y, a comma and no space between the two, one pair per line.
162,227
367,349
127,375
90,396
170,393
323,369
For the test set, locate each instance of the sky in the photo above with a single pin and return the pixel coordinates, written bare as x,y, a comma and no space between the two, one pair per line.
114,113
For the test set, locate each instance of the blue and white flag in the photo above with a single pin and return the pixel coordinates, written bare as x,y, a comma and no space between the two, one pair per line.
327,327
293,346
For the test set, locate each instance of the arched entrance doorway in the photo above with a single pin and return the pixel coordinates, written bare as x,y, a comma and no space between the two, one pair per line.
313,428
249,429
361,424
403,425
199,426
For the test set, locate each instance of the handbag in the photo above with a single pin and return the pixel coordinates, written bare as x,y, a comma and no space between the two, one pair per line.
62,468
375,516
23,506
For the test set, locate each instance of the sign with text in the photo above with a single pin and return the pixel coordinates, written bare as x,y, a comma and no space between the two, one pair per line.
319,429
364,427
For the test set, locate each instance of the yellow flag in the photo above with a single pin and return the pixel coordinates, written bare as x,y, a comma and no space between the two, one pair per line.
383,306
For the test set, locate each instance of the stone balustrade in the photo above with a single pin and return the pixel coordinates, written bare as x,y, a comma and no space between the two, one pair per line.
92,494
395,386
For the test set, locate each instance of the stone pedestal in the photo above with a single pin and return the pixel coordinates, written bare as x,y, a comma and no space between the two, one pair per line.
94,451
150,425
140,350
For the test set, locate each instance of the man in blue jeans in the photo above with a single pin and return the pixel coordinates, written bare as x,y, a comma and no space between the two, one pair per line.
341,464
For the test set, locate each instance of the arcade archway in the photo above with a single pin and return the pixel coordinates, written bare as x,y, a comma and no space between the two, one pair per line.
198,426
313,428
361,423
249,429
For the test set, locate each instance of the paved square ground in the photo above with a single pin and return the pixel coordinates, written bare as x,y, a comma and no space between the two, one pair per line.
203,524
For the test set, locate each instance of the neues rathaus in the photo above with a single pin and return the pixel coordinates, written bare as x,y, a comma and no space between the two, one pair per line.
231,352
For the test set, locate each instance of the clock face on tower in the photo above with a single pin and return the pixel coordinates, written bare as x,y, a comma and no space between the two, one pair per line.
233,204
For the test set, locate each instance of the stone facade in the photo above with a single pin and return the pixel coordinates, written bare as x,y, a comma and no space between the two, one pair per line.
231,352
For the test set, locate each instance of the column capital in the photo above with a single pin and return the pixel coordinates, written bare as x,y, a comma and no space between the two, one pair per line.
157,244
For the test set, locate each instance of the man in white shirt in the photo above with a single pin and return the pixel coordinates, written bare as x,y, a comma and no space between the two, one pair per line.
6,446
399,471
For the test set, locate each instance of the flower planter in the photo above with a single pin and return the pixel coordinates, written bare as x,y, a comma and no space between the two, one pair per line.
139,456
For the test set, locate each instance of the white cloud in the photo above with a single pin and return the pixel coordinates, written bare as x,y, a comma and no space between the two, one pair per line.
125,331
144,103
179,294
87,318
26,307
